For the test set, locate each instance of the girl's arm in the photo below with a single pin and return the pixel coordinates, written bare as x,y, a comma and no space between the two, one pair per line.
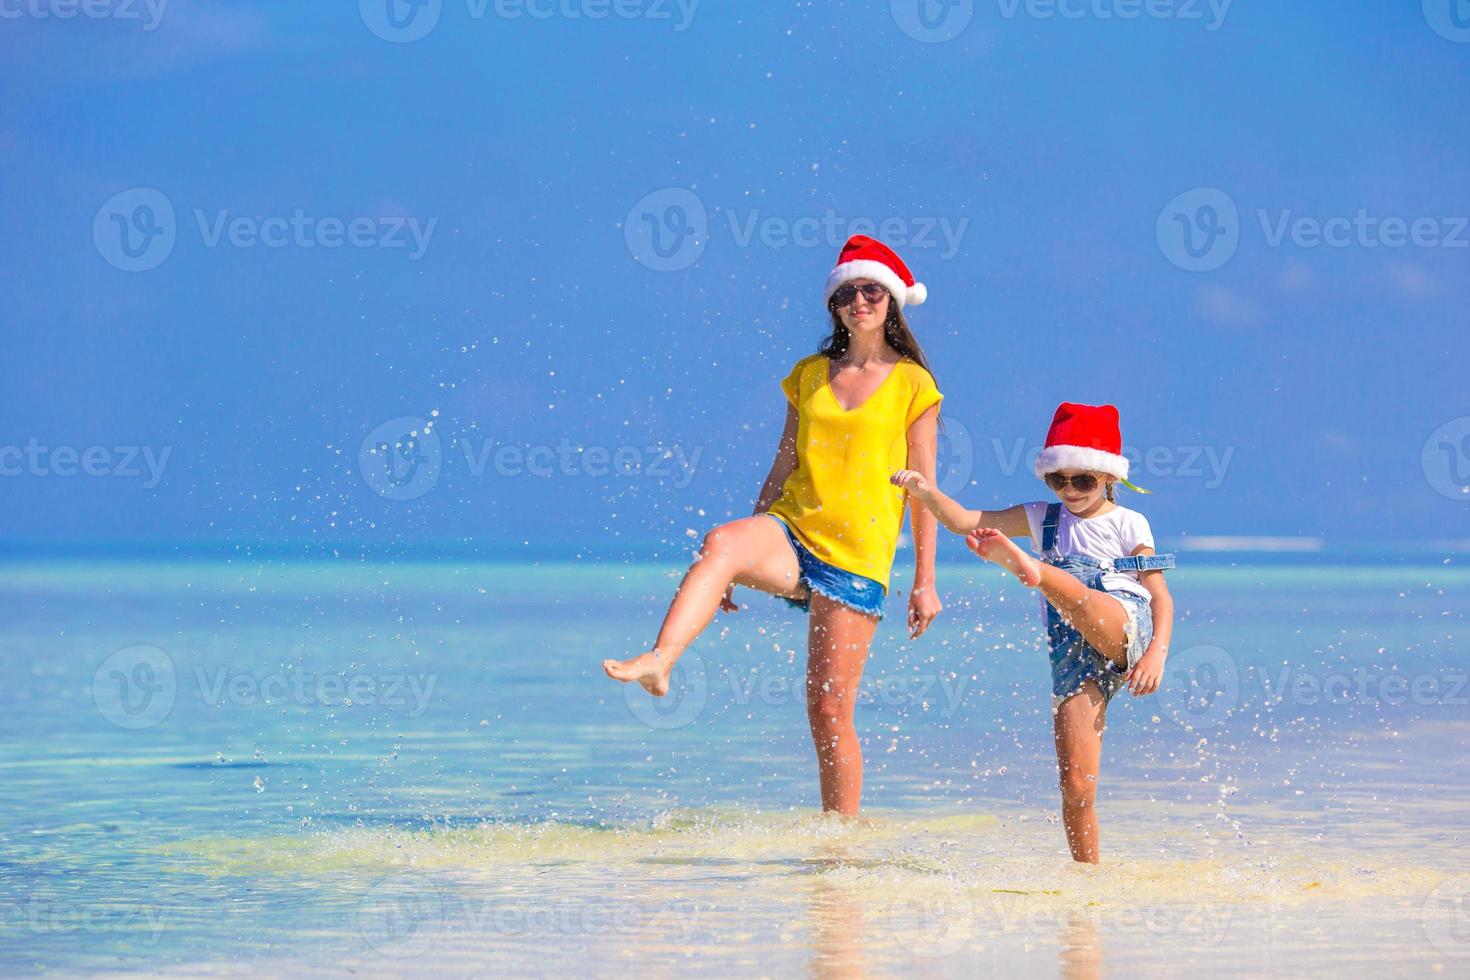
782,466
953,515
924,602
1146,676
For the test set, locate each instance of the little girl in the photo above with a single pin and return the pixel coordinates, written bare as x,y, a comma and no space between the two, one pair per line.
1109,616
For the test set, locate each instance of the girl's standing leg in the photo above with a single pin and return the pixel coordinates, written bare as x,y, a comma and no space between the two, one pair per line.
753,552
1079,723
838,641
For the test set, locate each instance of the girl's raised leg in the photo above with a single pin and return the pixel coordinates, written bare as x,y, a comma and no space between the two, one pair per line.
752,552
1078,724
838,641
1099,617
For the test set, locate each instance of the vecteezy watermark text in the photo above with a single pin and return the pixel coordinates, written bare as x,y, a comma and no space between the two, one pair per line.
936,21
692,686
138,687
136,230
401,459
405,914
121,462
1209,463
405,21
668,230
1204,685
149,12
1201,229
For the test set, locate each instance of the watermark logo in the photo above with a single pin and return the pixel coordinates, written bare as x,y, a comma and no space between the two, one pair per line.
401,458
945,923
135,230
1208,463
932,21
688,694
139,687
402,915
400,21
954,457
1446,917
1446,459
1199,230
404,21
937,924
943,694
1184,11
135,687
1450,19
1204,685
667,230
1201,686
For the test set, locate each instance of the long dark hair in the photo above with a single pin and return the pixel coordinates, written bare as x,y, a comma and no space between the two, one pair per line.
895,331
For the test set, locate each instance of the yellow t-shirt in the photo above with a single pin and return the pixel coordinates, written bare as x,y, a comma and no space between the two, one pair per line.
838,501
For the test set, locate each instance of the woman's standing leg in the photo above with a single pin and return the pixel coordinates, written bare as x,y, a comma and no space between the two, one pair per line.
1079,723
838,641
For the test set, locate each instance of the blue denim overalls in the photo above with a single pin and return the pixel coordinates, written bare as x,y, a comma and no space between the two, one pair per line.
1073,662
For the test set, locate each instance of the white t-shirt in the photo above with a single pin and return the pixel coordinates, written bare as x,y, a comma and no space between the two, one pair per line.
1112,535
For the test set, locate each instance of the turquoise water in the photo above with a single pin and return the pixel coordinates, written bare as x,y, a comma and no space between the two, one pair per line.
216,766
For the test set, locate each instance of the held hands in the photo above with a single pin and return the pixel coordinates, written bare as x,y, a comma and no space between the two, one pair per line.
914,482
1148,673
924,605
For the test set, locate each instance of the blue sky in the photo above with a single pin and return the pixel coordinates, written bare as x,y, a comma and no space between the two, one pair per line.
1031,167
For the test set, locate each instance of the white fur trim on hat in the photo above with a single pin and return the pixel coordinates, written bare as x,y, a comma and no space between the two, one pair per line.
1055,458
879,273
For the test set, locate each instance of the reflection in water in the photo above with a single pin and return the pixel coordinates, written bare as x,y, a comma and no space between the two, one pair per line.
837,924
1080,952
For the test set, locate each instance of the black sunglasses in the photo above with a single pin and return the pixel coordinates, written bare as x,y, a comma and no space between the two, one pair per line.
872,292
1082,482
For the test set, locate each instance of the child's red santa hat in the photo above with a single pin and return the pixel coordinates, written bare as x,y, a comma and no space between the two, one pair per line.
1084,437
867,258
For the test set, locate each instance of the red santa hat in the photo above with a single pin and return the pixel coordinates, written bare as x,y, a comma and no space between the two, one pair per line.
1084,437
867,258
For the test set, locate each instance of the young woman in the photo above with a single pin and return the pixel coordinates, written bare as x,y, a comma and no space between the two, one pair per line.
1109,615
827,522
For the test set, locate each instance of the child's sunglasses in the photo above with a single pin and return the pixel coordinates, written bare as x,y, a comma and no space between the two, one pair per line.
872,292
1082,482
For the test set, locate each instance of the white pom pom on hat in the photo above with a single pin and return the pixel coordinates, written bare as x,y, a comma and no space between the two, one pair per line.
867,258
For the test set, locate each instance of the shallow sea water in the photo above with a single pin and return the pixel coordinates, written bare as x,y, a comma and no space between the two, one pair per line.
261,767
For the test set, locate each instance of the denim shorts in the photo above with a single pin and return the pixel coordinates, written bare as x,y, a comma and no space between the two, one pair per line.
861,594
1074,662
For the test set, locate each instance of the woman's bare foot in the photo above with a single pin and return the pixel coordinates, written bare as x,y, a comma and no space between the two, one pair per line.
992,545
650,669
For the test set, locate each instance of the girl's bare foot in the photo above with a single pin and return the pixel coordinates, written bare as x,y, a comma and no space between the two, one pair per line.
994,546
650,669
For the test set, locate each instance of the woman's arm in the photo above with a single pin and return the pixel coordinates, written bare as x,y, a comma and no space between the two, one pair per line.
955,516
1149,673
782,466
924,602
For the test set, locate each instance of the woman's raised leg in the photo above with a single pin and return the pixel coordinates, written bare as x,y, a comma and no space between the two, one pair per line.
838,641
752,552
1078,724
